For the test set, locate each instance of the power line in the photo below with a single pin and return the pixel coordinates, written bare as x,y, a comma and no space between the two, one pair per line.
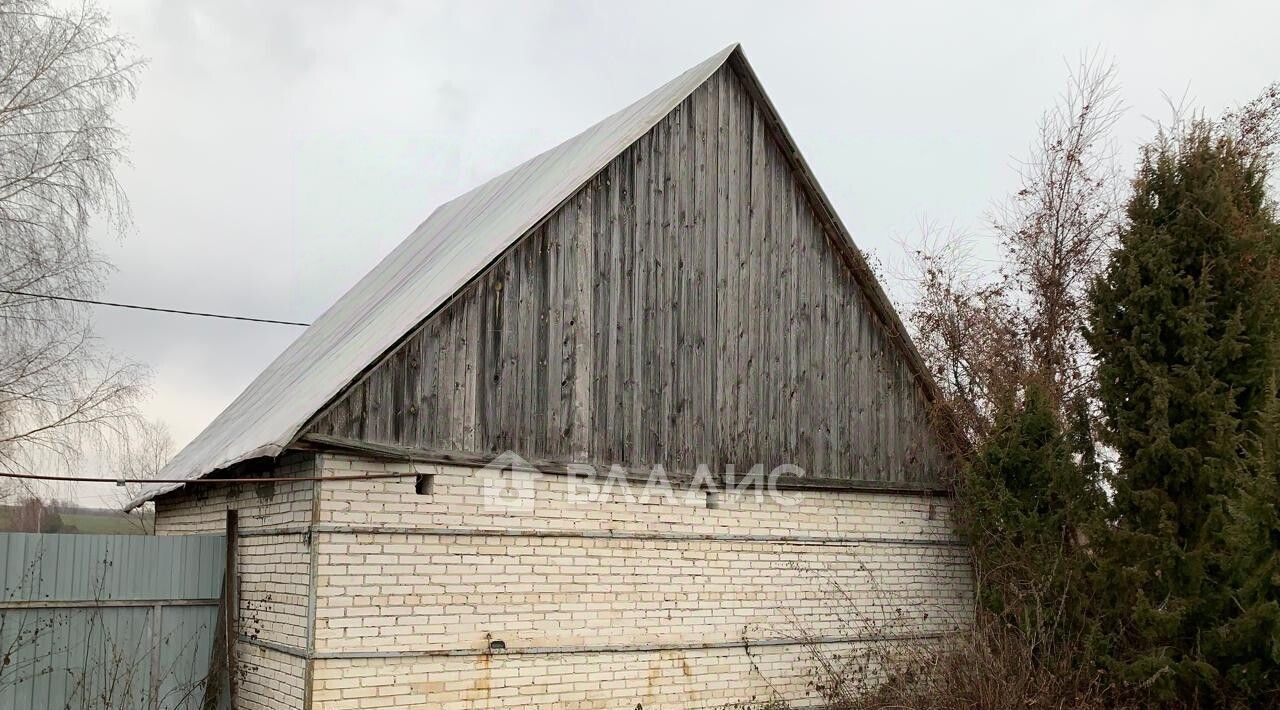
207,481
152,308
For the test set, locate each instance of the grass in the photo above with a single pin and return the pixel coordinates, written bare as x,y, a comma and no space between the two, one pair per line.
90,521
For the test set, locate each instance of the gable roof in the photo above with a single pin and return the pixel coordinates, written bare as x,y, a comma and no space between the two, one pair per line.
456,243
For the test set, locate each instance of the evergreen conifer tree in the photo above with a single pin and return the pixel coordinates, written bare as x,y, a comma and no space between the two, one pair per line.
1026,504
1184,326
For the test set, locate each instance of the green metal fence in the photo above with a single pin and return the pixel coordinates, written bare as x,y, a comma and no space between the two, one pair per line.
109,622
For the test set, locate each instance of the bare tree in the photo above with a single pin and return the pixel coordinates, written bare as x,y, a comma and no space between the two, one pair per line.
29,516
1257,124
965,328
141,455
62,74
985,335
1060,227
146,451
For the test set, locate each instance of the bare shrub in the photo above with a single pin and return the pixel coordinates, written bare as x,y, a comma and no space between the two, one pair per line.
875,633
981,663
987,666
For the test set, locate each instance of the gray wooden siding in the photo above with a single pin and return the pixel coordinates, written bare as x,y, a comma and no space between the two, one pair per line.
684,307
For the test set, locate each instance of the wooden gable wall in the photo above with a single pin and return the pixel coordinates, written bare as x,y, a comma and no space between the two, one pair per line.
684,307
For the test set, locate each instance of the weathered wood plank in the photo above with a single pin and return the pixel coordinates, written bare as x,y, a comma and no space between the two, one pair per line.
686,306
583,352
639,474
728,248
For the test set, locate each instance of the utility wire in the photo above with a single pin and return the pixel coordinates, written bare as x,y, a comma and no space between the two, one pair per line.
152,308
207,481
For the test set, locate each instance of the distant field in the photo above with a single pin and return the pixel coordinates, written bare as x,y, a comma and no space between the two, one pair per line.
87,520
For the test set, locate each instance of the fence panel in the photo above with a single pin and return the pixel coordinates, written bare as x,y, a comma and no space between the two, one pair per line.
108,622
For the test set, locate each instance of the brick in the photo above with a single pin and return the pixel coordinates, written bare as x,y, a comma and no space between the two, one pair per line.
447,590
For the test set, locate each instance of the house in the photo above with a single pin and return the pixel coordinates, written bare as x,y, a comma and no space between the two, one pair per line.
665,297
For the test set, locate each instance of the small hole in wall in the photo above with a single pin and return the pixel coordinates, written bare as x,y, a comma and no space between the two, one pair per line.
423,483
713,500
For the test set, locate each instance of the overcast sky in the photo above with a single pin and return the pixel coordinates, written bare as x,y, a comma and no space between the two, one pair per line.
280,149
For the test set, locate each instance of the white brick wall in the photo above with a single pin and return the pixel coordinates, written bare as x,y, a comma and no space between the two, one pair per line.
571,588
403,592
610,603
270,680
201,508
274,571
713,678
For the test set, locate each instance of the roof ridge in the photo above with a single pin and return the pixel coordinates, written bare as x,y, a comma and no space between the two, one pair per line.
453,244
